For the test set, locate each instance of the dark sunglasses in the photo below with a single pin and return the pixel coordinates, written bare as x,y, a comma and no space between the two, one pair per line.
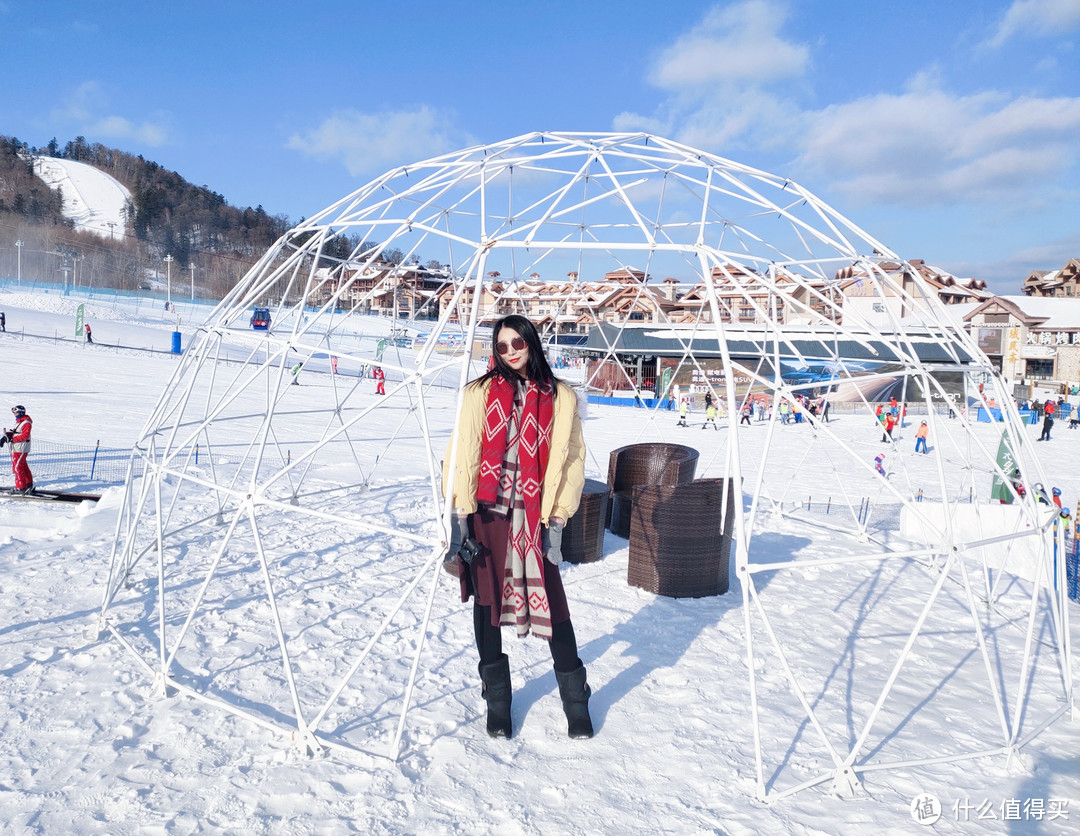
518,343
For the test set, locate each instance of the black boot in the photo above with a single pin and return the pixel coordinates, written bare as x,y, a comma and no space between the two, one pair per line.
496,690
575,693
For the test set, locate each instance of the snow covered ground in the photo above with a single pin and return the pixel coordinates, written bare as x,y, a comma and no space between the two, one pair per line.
86,749
94,200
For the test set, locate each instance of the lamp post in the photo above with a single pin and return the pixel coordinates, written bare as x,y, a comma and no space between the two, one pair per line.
65,270
168,286
191,267
19,246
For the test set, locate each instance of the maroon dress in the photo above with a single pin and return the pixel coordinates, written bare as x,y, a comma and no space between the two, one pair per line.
485,577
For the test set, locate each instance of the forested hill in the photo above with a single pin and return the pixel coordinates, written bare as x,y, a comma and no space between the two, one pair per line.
166,212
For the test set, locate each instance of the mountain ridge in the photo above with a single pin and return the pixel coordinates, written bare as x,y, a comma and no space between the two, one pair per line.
162,214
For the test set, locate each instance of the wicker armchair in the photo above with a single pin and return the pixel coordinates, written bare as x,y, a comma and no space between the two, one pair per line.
583,537
680,538
645,464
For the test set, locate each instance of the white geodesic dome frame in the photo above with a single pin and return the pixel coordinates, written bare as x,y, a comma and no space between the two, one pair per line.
235,459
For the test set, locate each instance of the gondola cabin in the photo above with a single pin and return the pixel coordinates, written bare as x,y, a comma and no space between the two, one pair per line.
260,319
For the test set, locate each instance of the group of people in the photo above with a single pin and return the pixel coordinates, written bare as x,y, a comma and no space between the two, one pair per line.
712,411
1053,498
790,411
892,416
1047,409
377,374
86,328
18,438
889,418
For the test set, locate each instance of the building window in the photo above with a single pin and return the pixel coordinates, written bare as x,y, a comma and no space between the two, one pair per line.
1039,369
879,307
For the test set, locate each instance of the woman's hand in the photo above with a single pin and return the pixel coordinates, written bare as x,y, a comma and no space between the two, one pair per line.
459,533
552,541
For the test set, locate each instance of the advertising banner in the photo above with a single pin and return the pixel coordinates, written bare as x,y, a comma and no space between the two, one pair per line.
991,340
1007,462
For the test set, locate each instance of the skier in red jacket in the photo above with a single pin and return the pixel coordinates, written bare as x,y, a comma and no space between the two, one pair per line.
380,381
19,439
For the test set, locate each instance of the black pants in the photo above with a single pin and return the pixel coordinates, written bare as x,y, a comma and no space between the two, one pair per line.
563,642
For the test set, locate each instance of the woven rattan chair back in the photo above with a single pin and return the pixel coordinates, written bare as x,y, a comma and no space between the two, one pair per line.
645,464
680,538
583,537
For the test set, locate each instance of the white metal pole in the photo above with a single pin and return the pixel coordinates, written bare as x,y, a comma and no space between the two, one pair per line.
168,281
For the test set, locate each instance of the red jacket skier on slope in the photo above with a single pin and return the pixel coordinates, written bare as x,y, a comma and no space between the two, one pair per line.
19,438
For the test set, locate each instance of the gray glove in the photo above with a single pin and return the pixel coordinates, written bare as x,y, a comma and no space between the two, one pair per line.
552,542
459,533
461,544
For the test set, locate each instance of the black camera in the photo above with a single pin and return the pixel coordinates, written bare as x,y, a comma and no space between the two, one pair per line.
469,550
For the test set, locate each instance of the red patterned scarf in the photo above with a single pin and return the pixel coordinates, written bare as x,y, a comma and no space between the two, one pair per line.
513,457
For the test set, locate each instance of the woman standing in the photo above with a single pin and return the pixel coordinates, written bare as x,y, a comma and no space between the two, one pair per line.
518,477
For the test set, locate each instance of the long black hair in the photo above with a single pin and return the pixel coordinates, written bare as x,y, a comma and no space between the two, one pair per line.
537,369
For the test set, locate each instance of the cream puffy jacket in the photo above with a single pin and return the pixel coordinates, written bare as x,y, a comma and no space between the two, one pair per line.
564,478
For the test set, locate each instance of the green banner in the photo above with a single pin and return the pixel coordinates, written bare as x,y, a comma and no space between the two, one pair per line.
1007,462
665,383
379,351
79,322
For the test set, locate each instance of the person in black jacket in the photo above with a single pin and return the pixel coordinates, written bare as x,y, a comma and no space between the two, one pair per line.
1048,422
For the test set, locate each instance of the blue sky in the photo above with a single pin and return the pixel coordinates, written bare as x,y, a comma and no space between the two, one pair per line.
948,130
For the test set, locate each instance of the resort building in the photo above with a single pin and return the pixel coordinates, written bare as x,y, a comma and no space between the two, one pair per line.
1063,282
1033,340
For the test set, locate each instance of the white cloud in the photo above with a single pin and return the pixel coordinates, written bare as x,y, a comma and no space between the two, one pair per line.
923,146
928,146
630,122
751,118
737,44
83,101
87,108
1039,17
1005,272
153,134
721,76
369,142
